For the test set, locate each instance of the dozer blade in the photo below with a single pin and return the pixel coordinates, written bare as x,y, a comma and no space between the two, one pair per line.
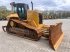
56,35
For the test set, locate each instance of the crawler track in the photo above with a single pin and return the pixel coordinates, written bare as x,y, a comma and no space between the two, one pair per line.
22,29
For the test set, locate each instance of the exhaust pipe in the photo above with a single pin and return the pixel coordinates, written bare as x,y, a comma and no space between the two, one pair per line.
12,3
32,4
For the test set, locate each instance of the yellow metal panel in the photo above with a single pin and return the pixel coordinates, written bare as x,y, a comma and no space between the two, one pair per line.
12,15
33,16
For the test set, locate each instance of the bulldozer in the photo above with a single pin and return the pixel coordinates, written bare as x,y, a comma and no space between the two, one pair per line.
28,23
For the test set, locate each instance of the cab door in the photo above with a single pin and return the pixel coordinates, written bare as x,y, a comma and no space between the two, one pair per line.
21,13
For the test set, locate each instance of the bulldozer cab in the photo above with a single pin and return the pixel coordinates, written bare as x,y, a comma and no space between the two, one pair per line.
24,14
20,9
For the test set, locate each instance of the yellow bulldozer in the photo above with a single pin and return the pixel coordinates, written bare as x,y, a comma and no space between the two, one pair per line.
28,23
